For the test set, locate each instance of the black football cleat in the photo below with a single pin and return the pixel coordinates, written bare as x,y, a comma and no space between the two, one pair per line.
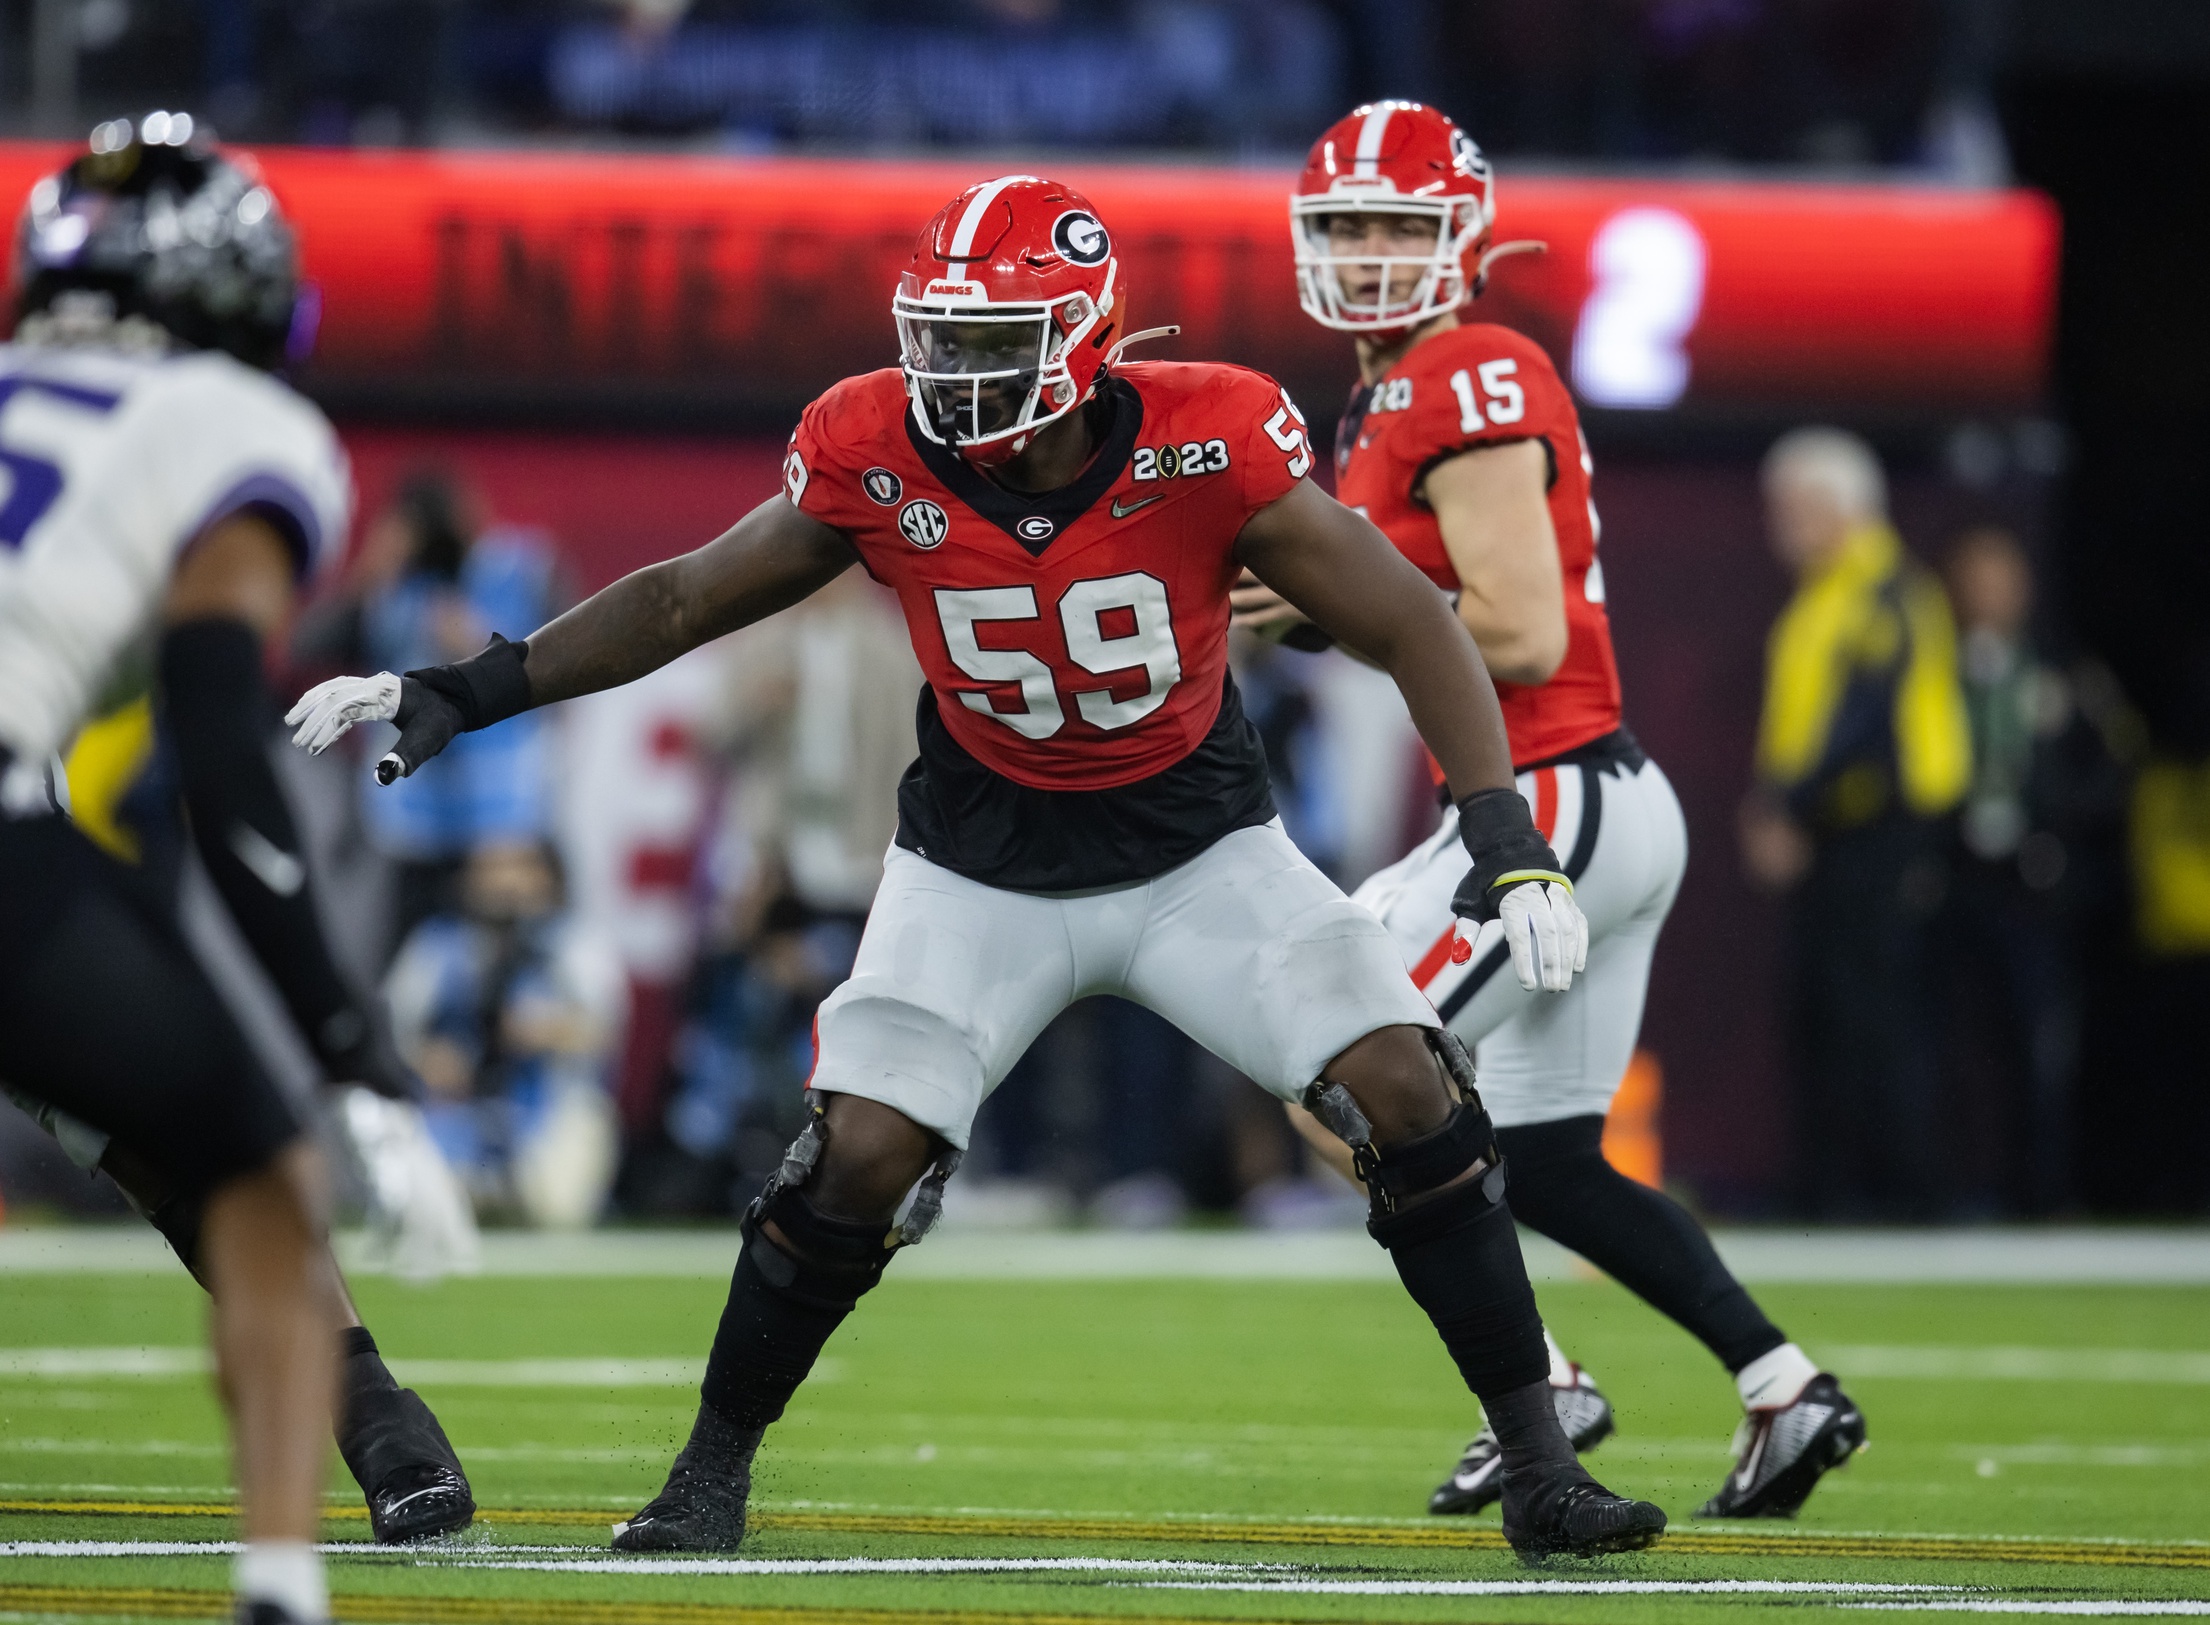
406,1467
701,1506
264,1612
1478,1479
1780,1455
694,1512
1557,1510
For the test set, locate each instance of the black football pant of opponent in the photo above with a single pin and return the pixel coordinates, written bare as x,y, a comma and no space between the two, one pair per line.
105,1014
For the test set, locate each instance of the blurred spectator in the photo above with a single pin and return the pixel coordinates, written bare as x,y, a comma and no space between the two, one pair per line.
2012,984
1862,747
511,1011
432,583
816,725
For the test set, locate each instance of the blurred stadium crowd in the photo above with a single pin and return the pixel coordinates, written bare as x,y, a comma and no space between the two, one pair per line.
1849,82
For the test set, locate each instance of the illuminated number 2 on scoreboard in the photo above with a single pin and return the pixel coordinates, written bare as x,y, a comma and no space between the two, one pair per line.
1112,624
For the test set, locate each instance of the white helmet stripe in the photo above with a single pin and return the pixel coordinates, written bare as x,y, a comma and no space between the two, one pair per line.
1369,141
963,240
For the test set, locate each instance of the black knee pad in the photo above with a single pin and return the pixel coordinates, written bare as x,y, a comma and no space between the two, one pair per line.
830,1263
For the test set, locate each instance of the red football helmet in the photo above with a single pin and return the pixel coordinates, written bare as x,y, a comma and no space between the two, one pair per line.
1007,314
1392,158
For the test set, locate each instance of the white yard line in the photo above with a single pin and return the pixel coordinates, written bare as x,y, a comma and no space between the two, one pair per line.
2082,1255
78,1364
2173,1608
1554,1588
2011,1363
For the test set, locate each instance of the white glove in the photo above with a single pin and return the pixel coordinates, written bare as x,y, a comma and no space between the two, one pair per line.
1547,933
327,712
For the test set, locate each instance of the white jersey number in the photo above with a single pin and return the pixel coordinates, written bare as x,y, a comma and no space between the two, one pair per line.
1112,624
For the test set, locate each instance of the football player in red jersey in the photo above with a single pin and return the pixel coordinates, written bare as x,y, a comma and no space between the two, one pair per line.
1462,444
1089,812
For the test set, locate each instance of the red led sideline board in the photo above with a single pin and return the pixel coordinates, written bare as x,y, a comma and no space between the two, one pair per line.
526,281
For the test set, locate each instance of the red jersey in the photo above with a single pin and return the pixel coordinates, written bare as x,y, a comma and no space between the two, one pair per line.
1076,639
1483,385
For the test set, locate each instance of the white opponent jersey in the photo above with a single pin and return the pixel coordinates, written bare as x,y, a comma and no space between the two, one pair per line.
110,465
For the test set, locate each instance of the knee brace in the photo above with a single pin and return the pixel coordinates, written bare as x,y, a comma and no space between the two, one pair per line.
1467,1139
1458,1256
830,1263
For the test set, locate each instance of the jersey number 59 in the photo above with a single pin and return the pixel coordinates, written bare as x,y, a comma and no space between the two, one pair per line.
1112,624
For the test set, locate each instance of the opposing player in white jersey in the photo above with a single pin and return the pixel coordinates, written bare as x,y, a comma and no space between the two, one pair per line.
1463,446
165,497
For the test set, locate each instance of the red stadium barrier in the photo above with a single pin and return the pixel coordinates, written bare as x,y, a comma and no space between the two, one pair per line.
737,289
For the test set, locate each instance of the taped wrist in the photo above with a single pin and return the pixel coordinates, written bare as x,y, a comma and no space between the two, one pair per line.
217,706
782,1308
1458,1256
1500,836
485,688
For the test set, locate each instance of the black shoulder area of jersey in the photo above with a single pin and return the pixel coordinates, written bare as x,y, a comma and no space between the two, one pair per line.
962,815
1119,419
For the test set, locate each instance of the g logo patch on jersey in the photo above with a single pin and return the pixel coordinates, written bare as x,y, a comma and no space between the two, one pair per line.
1080,236
1036,528
923,524
882,486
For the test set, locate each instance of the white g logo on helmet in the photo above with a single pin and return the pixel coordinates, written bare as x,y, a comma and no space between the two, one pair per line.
1080,236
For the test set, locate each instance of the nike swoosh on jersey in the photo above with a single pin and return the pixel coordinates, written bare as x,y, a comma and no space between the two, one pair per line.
1122,512
274,867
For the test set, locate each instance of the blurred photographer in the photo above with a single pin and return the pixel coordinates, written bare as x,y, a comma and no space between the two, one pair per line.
512,1011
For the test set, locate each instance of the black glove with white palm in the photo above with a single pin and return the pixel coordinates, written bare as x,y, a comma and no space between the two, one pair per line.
429,706
1515,879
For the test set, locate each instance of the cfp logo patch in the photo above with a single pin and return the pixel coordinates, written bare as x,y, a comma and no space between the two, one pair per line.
1080,236
923,524
1036,528
882,486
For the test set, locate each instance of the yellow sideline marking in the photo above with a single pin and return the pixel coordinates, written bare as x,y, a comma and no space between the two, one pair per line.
147,1602
1442,1534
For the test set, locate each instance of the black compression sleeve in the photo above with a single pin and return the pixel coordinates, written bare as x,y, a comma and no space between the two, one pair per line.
1564,1189
218,708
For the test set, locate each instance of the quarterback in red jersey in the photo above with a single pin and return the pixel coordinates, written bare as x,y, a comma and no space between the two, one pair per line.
1462,444
1089,811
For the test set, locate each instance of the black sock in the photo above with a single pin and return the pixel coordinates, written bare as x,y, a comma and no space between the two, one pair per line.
1525,1422
355,1340
1458,1256
1564,1189
781,1310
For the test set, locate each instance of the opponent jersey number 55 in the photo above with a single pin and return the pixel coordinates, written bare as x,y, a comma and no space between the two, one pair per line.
1112,624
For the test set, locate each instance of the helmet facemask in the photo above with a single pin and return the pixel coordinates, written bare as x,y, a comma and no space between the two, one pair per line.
985,378
1405,288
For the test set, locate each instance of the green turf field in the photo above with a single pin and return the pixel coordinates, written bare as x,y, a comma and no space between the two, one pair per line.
1161,1450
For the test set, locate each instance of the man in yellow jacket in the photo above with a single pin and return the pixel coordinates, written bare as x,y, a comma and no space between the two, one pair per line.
1862,748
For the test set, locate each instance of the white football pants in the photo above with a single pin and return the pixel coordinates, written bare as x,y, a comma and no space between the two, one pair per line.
1543,1056
1247,948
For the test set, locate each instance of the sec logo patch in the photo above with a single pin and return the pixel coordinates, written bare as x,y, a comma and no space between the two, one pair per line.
882,486
923,524
1036,528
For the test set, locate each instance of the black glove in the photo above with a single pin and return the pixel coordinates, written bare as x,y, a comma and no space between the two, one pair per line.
354,1047
1507,851
438,702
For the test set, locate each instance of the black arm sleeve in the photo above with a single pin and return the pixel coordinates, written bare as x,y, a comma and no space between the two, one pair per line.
217,706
